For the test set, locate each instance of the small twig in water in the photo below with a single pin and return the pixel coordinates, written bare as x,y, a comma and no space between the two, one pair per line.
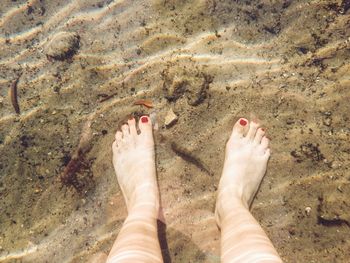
13,95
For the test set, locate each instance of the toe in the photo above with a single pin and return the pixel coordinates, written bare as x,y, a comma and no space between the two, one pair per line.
118,136
118,140
132,127
125,130
267,153
253,127
265,142
145,125
114,145
240,128
259,135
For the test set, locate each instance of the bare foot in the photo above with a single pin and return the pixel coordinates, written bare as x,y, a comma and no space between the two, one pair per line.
245,164
134,164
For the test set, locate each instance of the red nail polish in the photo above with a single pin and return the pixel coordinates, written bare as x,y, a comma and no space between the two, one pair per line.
243,122
144,119
263,129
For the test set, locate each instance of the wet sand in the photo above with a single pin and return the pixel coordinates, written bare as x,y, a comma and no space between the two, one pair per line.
210,62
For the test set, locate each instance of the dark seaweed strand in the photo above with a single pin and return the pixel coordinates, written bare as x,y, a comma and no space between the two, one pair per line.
13,94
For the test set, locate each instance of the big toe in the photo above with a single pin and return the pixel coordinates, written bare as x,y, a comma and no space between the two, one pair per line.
145,125
240,128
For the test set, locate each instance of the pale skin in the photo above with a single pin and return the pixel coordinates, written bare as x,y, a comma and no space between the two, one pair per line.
246,156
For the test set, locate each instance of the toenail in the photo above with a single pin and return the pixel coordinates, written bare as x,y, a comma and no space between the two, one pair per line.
263,129
243,122
144,119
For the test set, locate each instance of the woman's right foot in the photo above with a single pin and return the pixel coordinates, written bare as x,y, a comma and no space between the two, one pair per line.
246,158
134,164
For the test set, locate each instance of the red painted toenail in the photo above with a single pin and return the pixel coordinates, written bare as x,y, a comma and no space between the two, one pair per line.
243,122
263,129
144,119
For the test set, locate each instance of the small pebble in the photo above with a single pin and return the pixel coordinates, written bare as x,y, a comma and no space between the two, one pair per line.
307,210
170,118
336,164
339,189
62,46
327,121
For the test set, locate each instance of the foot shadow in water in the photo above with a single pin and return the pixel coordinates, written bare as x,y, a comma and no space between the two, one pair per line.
180,247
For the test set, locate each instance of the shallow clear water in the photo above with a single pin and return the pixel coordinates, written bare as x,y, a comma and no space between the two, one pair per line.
209,62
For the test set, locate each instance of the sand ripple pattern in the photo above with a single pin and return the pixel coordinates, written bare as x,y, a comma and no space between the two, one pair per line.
264,62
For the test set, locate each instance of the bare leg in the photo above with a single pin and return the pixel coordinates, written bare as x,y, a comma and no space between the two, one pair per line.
242,238
134,163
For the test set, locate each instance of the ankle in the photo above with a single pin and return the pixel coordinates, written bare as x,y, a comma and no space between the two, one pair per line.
225,204
144,203
145,213
232,195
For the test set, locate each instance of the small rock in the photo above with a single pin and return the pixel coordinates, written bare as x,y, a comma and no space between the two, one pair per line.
307,210
290,121
336,164
339,188
327,121
63,46
170,119
292,231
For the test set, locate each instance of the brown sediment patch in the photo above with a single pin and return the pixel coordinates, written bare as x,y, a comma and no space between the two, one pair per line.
334,206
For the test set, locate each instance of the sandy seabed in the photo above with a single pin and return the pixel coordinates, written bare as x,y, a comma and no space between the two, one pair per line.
285,63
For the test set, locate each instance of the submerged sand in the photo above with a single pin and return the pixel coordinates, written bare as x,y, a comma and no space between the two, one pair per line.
285,63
